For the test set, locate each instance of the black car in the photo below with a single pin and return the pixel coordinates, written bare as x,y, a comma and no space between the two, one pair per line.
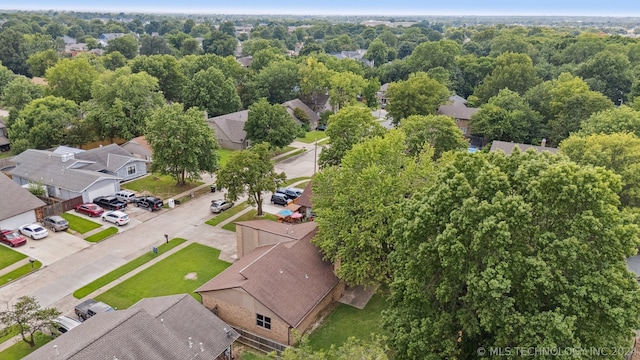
150,203
110,203
280,199
291,193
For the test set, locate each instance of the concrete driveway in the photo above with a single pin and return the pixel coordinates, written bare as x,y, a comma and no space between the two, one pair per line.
54,247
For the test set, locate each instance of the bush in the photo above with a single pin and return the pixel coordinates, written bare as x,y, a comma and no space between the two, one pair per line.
301,115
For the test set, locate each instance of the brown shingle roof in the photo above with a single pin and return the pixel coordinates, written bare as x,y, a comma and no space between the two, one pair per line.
15,199
507,147
232,125
305,198
288,278
291,231
457,110
138,146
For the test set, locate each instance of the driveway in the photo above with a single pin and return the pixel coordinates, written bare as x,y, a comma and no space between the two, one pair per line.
54,247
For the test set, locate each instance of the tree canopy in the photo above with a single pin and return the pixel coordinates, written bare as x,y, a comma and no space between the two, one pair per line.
71,79
419,95
212,91
270,123
438,131
28,317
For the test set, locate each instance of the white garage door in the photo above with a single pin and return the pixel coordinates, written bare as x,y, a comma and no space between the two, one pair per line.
14,222
103,188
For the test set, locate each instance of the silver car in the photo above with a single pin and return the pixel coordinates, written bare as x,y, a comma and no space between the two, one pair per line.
218,206
117,217
55,223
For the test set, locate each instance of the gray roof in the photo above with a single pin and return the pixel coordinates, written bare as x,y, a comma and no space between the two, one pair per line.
138,146
457,99
291,105
232,125
52,169
633,265
457,110
15,199
168,327
507,147
109,157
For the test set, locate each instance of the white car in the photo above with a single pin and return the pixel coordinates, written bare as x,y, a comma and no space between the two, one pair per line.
117,217
34,231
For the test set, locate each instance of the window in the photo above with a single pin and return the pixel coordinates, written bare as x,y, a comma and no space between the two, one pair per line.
263,321
131,169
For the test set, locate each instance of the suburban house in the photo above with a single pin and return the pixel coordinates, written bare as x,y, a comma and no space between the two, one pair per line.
245,61
318,103
458,110
277,288
139,148
105,38
5,145
507,147
19,206
68,174
166,327
382,95
291,105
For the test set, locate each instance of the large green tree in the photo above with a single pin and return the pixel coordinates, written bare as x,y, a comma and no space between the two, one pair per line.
419,95
610,73
41,61
71,79
512,251
513,71
616,120
278,82
166,69
314,80
13,52
20,92
183,144
271,124
212,91
438,131
126,45
28,318
343,89
250,172
351,125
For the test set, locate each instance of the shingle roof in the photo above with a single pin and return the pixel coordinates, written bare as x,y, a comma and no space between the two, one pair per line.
138,146
291,231
15,199
109,157
169,327
457,110
305,198
289,278
232,125
507,147
291,105
51,169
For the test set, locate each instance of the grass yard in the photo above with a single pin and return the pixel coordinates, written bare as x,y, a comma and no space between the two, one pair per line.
249,215
283,150
22,349
295,153
102,234
21,271
225,154
312,136
345,321
227,214
9,256
180,273
295,180
80,224
162,186
8,333
131,265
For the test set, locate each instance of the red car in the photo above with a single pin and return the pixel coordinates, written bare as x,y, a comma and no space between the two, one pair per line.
89,209
12,238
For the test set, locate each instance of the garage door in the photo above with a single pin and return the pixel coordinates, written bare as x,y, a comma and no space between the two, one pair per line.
102,188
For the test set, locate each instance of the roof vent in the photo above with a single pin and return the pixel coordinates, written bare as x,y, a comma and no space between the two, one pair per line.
306,276
281,271
66,157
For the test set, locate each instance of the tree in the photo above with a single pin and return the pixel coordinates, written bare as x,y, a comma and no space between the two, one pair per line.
219,43
278,82
212,91
617,120
439,131
357,204
191,147
13,53
507,117
419,95
250,172
512,71
262,58
314,80
343,89
20,92
28,317
125,45
610,73
487,255
352,348
377,52
154,45
270,123
228,28
41,61
618,152
191,64
433,54
114,60
6,76
71,79
166,69
351,125
370,93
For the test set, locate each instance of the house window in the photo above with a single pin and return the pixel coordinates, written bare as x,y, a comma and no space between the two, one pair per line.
263,321
131,169
464,130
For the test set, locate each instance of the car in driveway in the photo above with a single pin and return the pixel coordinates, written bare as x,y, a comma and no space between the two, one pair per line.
55,223
280,199
92,210
64,323
150,203
34,231
125,196
218,206
117,217
12,238
109,203
291,193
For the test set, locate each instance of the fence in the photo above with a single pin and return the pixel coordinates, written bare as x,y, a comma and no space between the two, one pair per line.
259,343
58,207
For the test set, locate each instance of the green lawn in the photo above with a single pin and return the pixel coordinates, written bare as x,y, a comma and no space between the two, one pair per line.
21,271
227,214
131,265
9,256
249,215
102,234
345,321
8,333
80,224
312,136
22,349
284,150
182,272
162,186
295,180
300,151
225,154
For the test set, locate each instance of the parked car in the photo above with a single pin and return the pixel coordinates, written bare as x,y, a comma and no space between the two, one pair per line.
280,199
125,196
55,223
293,193
218,206
150,203
321,128
34,231
64,323
117,217
91,210
109,203
90,307
12,238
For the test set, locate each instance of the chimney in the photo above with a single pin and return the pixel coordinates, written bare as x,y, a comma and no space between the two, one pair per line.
543,143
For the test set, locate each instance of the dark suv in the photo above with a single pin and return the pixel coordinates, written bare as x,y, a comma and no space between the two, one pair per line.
110,203
280,199
150,203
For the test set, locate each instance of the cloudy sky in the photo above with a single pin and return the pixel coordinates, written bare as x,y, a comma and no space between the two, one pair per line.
341,7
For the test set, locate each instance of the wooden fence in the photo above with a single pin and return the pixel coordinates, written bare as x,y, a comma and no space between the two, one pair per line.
59,206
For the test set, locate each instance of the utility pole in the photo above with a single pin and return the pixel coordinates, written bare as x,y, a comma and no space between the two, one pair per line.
315,155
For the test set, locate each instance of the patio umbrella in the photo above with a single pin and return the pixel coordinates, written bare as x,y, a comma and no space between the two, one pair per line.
296,216
285,212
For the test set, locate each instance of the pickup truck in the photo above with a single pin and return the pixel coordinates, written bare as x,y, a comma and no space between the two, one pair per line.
90,307
110,202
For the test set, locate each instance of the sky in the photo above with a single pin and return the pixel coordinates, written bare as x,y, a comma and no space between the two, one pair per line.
626,8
